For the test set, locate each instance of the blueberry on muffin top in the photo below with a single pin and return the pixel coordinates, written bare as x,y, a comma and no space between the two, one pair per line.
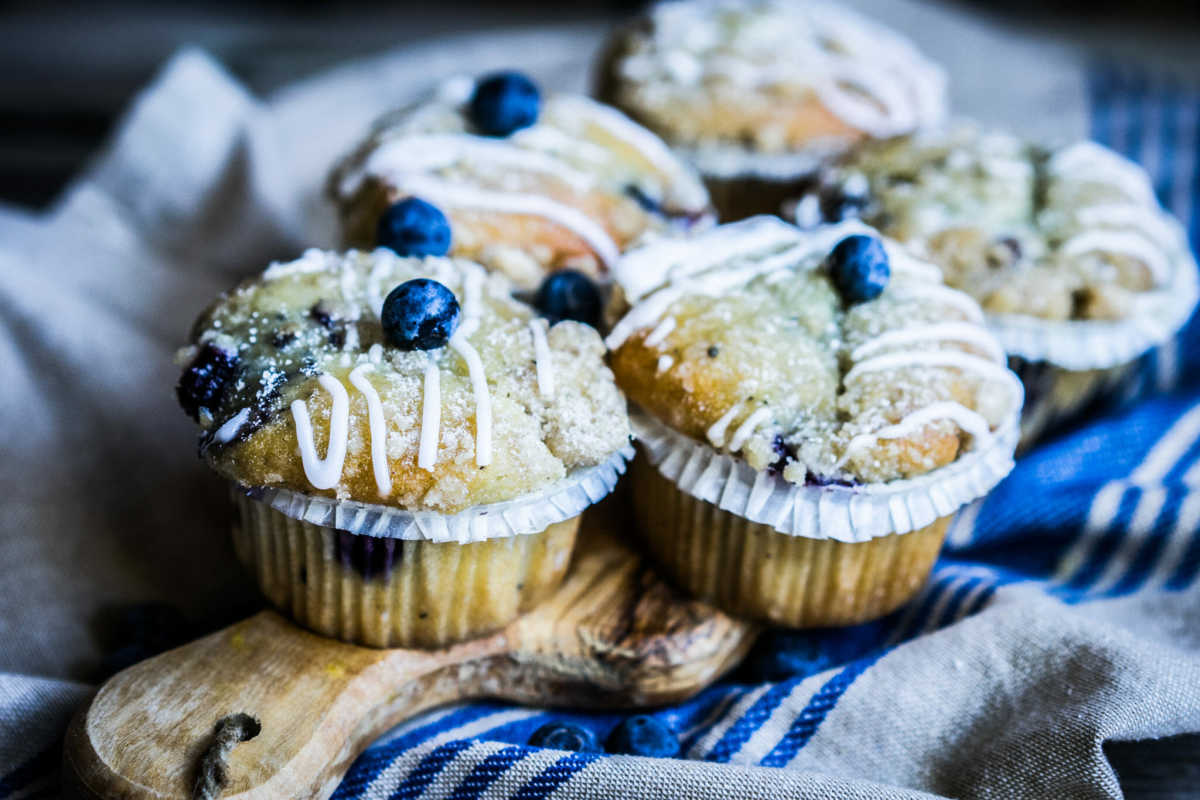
1053,234
419,383
527,182
740,337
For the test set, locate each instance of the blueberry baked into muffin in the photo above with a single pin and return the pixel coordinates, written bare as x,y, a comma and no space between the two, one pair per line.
811,410
758,93
1076,265
410,447
523,184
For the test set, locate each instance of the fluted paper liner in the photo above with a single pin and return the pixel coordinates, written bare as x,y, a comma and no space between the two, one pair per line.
382,592
750,570
1100,344
527,514
842,513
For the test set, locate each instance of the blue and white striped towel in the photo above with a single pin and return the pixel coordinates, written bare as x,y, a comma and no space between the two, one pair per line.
1060,616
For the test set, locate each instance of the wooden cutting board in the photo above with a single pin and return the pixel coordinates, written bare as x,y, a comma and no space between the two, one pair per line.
614,635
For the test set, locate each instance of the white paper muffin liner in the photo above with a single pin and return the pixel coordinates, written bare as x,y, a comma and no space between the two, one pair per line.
1099,344
531,513
842,513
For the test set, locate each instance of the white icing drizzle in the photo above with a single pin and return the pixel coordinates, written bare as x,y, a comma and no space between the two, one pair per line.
737,256
324,473
431,417
716,432
659,334
394,159
838,54
683,188
729,256
447,194
665,362
940,331
747,428
541,358
377,426
483,401
1129,243
970,421
935,358
1089,161
375,353
1148,219
547,138
941,294
641,271
230,429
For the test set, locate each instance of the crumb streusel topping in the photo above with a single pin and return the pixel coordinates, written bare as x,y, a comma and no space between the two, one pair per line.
739,337
1057,234
732,74
296,386
582,170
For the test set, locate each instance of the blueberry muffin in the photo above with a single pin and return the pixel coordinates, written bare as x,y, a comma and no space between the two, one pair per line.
1067,250
521,184
811,409
758,93
409,446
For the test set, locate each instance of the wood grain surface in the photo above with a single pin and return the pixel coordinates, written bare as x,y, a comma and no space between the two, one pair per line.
614,635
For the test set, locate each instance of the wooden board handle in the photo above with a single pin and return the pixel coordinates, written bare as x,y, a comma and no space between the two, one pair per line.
613,635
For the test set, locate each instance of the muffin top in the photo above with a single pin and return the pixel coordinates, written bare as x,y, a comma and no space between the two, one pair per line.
829,357
528,183
416,383
1054,234
728,79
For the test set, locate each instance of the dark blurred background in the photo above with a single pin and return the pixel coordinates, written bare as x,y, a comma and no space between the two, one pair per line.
68,69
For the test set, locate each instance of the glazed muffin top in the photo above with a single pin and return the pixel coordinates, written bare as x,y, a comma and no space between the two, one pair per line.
528,183
1054,234
416,383
728,79
829,357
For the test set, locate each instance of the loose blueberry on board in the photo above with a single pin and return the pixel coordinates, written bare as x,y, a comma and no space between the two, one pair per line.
420,314
859,267
569,294
504,102
642,736
565,736
203,382
413,227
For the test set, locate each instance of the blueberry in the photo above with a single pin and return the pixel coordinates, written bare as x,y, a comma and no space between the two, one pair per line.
203,382
645,201
642,736
565,736
859,268
413,227
420,314
504,102
569,294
